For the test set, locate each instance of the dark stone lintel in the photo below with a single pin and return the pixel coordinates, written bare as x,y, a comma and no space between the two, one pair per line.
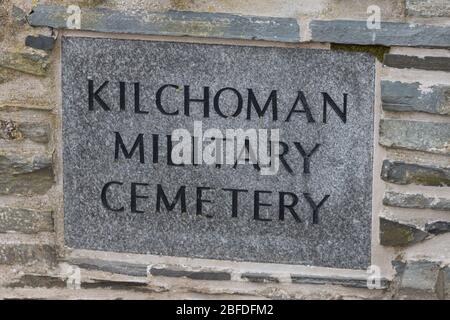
172,23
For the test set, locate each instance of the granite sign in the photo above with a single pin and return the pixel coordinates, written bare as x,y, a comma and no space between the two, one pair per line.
124,101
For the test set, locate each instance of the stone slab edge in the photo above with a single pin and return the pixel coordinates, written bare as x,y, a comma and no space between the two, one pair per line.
213,274
171,23
389,34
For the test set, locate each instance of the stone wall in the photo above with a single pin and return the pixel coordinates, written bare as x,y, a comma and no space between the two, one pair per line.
411,218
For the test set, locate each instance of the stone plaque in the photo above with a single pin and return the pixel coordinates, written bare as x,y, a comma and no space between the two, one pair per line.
124,102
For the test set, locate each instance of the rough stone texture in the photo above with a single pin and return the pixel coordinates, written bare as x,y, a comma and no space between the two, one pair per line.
18,15
347,282
25,220
35,131
24,62
25,174
431,137
399,172
446,276
38,281
428,8
376,51
178,272
173,23
131,269
414,200
116,285
27,254
438,227
425,63
396,234
346,218
390,33
40,42
408,97
260,277
420,275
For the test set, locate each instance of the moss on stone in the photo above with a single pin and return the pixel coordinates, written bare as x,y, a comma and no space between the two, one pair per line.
377,51
24,62
395,234
181,4
430,180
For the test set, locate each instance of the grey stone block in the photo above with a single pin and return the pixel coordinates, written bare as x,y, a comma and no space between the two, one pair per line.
25,220
259,277
18,15
397,234
27,254
31,63
390,33
446,281
430,137
179,272
38,281
40,42
25,174
115,285
411,62
172,23
428,8
407,97
343,170
400,172
438,227
342,281
420,275
414,200
120,267
35,131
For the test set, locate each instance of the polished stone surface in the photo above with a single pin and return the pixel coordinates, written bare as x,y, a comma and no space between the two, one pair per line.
341,167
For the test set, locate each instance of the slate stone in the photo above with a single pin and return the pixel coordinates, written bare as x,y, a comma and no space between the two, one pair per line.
37,132
446,278
390,33
408,97
120,267
27,254
178,272
400,172
396,234
342,281
438,227
25,174
414,200
38,281
430,137
259,277
18,15
399,266
40,42
34,131
420,275
25,220
24,62
172,23
116,285
427,8
425,63
343,168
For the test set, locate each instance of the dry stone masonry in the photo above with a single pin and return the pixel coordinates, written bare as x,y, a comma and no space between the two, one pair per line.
376,99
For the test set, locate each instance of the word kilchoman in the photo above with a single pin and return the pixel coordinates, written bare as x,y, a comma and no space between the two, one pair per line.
211,102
